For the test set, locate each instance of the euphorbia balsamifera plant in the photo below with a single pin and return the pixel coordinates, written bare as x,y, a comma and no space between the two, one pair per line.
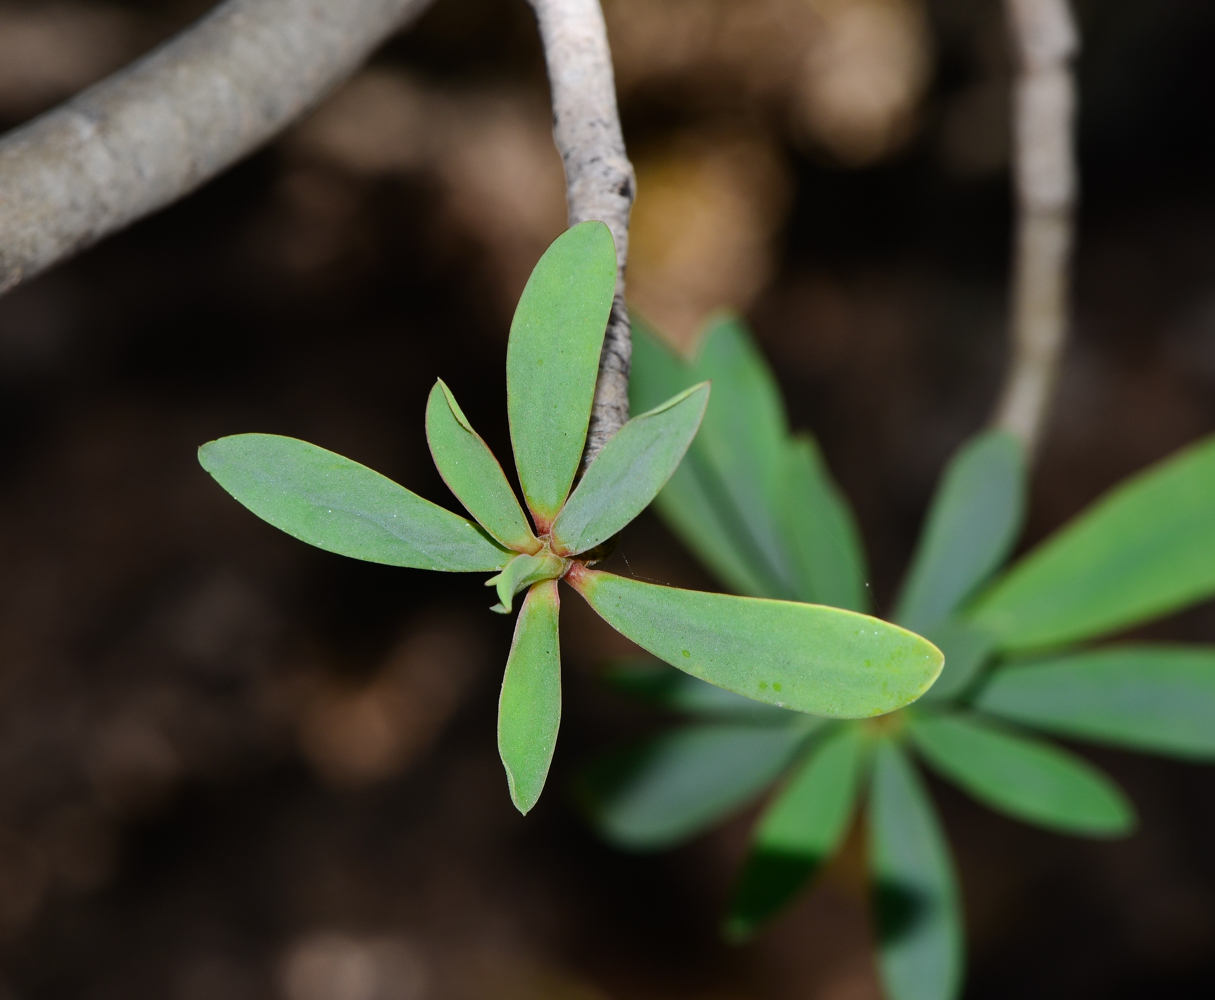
805,657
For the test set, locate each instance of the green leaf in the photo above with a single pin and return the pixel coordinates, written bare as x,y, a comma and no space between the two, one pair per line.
967,650
799,832
529,708
827,555
521,572
472,473
656,373
1025,778
1143,550
662,686
916,904
696,503
695,506
552,361
1150,697
972,523
806,657
628,473
682,782
744,437
340,506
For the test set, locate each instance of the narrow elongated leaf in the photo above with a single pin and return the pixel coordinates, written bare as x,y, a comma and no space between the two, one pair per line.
338,505
656,373
523,571
552,360
800,831
827,555
628,473
1150,697
1145,549
916,904
744,437
665,687
971,526
683,781
696,507
967,650
806,657
472,473
1026,778
529,708
696,503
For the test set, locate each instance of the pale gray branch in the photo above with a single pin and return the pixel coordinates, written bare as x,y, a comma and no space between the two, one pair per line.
1045,41
160,128
163,126
598,176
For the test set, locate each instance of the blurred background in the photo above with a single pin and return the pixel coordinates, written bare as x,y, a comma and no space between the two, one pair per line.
232,766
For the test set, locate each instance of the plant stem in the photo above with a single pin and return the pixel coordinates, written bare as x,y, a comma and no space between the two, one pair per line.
166,124
598,176
1045,40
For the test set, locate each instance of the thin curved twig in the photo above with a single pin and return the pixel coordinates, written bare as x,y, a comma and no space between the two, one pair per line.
169,122
1045,40
598,176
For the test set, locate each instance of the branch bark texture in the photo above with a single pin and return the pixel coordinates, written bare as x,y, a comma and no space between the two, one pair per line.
1045,42
163,126
598,176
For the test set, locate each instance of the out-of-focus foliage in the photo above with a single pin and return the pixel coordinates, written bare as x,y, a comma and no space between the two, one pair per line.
1138,553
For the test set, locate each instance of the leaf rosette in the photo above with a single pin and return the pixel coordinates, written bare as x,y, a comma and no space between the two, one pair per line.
758,506
804,657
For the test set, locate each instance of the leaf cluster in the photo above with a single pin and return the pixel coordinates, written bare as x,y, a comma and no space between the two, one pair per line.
759,507
807,658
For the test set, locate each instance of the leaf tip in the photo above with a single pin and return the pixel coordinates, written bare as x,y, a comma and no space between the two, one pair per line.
599,232
524,803
206,452
1126,820
936,664
454,406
